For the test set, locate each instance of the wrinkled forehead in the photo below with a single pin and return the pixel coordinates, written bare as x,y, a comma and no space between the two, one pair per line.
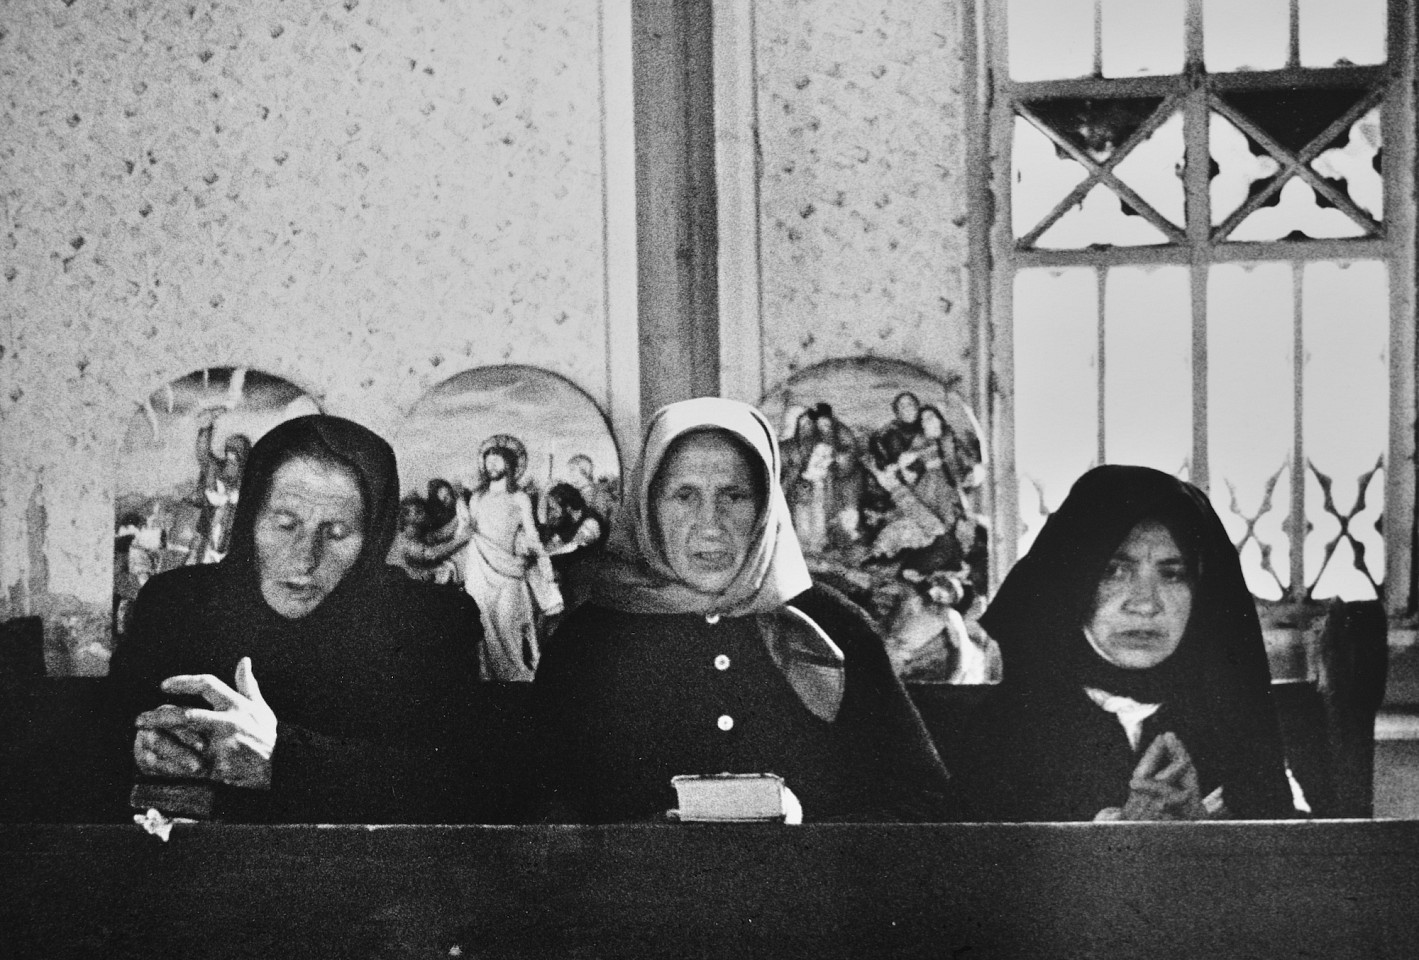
708,447
303,473
675,423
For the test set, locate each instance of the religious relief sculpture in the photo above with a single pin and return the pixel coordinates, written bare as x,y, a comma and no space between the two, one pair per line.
509,474
180,469
883,466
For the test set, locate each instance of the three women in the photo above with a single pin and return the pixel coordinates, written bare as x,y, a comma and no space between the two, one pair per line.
1135,687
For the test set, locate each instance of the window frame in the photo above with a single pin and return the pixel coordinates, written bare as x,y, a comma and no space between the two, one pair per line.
998,97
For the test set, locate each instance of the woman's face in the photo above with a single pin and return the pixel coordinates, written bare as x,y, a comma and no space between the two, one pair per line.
1143,600
931,425
703,510
308,534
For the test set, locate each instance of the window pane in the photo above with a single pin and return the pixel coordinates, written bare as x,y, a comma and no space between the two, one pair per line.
1345,390
1097,126
1056,388
1104,218
1356,162
1294,120
1294,214
1335,32
1245,36
1154,169
1250,414
1142,37
1041,178
1044,173
1238,166
1051,39
1148,368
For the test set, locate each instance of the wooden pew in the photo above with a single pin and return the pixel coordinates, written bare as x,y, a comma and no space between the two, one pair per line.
21,649
1229,890
63,752
63,748
1351,674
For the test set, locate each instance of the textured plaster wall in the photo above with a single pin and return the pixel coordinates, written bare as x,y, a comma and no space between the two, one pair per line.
862,195
361,197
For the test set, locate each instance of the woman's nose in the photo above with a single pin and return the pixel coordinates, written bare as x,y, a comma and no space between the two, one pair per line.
306,551
711,513
1143,596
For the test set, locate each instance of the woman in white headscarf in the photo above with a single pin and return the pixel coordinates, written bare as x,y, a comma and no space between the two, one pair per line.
705,648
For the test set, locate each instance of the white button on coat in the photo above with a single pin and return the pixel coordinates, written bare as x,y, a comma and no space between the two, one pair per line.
726,723
721,662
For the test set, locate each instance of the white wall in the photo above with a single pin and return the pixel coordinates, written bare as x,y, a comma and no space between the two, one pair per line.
362,197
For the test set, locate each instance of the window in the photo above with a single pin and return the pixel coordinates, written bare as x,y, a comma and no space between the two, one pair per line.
1203,262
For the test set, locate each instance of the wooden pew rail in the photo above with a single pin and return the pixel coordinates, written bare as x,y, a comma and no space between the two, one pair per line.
1318,889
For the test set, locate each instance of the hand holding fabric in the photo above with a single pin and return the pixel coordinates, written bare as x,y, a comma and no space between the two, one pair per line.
231,743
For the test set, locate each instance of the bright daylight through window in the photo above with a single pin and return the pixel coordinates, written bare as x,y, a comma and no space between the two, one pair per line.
1205,268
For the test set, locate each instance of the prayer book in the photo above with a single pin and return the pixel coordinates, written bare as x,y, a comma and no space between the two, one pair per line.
735,797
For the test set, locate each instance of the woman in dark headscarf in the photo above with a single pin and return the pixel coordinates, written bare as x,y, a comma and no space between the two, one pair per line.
1136,683
364,709
705,648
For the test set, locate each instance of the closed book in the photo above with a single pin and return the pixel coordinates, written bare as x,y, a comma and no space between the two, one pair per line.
733,797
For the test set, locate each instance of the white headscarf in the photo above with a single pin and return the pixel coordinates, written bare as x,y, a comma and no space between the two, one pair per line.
635,576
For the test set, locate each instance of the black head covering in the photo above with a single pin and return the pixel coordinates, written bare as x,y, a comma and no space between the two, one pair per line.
1215,688
312,668
325,439
374,689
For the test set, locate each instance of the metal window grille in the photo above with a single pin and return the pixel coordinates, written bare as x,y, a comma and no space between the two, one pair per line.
1202,240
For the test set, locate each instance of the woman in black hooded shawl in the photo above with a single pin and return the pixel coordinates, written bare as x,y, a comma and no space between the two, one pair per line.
1054,740
367,701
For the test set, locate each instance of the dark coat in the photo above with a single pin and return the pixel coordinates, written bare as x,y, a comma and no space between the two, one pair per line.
1039,749
375,691
625,701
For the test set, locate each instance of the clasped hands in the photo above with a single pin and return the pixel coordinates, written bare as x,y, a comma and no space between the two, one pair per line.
231,743
1164,785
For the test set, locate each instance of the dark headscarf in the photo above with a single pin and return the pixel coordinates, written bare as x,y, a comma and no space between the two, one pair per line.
374,689
331,440
369,593
1215,686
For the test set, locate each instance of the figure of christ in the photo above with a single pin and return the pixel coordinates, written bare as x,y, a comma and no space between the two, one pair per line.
506,570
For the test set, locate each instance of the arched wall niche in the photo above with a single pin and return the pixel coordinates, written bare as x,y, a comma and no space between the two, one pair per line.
555,419
883,465
179,469
516,462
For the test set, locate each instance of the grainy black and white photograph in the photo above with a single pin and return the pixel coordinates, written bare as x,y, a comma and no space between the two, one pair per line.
180,468
712,478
